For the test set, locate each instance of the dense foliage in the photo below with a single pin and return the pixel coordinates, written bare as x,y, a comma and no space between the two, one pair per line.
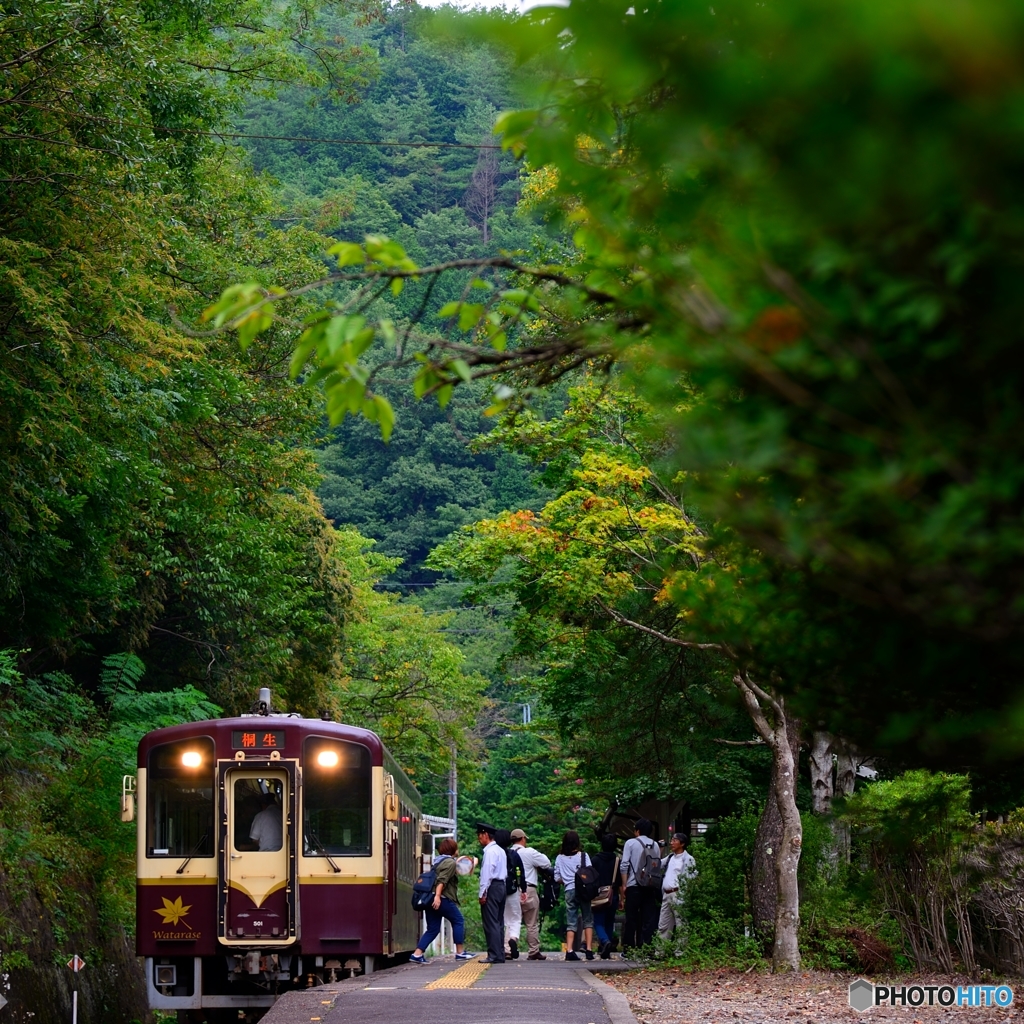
153,491
158,491
814,332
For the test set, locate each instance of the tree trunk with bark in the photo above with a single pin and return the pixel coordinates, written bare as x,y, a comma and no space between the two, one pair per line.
847,762
764,886
781,734
823,747
821,772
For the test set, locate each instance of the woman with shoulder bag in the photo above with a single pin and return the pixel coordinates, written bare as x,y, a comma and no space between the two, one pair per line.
606,904
567,866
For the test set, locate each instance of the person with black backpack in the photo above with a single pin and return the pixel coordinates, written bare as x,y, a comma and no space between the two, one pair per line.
574,870
515,890
641,882
436,892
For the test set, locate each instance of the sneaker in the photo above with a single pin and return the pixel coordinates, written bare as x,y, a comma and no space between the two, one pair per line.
571,955
513,949
590,954
414,959
536,956
466,956
606,950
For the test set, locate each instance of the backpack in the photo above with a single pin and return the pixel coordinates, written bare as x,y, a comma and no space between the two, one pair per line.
587,886
515,877
548,890
424,887
650,872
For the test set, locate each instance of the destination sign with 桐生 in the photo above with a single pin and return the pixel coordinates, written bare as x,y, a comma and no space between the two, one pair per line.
257,739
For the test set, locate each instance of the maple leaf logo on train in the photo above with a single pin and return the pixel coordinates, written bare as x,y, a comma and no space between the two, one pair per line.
172,912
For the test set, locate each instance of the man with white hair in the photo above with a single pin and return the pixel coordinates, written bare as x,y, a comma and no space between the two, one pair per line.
679,867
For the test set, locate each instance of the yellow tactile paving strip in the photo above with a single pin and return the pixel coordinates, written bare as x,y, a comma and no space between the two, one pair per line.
461,977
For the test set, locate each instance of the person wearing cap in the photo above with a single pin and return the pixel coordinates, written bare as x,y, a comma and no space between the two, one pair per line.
532,860
679,867
493,872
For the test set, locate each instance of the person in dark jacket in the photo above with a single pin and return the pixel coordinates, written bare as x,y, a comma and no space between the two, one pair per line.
607,864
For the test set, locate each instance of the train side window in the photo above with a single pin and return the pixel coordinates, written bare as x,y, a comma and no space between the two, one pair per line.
336,797
179,804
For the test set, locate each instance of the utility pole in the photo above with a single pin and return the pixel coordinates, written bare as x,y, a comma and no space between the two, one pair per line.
453,791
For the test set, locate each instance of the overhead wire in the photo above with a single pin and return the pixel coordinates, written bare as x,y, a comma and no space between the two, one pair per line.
393,143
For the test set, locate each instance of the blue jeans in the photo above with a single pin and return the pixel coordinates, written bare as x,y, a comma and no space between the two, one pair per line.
604,921
577,910
450,911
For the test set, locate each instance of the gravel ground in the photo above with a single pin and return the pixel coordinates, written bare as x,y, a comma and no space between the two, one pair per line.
671,996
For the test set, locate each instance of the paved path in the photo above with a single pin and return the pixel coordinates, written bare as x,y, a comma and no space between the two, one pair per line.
470,992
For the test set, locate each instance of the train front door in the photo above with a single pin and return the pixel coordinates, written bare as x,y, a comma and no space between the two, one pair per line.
256,891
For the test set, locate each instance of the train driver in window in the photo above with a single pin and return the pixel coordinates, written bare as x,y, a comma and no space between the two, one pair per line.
266,825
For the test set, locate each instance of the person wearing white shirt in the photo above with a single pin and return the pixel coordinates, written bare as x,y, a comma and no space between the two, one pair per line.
577,910
266,829
532,860
493,872
679,867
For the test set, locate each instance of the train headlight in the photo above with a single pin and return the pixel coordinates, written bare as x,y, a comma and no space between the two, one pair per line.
191,759
327,759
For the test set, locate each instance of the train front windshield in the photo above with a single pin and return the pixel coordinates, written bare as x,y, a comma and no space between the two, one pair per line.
180,800
336,779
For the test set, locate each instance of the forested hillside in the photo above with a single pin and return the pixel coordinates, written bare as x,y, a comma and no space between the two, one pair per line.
441,201
442,204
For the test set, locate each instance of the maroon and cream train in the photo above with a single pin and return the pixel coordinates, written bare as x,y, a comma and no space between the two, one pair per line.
224,925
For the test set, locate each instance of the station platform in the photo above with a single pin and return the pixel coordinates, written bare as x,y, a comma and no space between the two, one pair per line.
551,991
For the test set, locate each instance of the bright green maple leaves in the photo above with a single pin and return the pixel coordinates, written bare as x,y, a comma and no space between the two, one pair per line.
329,350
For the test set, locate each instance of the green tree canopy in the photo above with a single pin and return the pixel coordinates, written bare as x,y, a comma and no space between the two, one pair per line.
799,226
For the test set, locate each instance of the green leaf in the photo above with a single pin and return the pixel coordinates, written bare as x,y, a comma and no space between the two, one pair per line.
362,341
512,126
385,416
397,284
449,309
444,394
249,327
461,367
424,380
334,335
469,315
386,329
348,253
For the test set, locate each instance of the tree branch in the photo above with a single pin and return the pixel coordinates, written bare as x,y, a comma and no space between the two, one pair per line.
664,637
